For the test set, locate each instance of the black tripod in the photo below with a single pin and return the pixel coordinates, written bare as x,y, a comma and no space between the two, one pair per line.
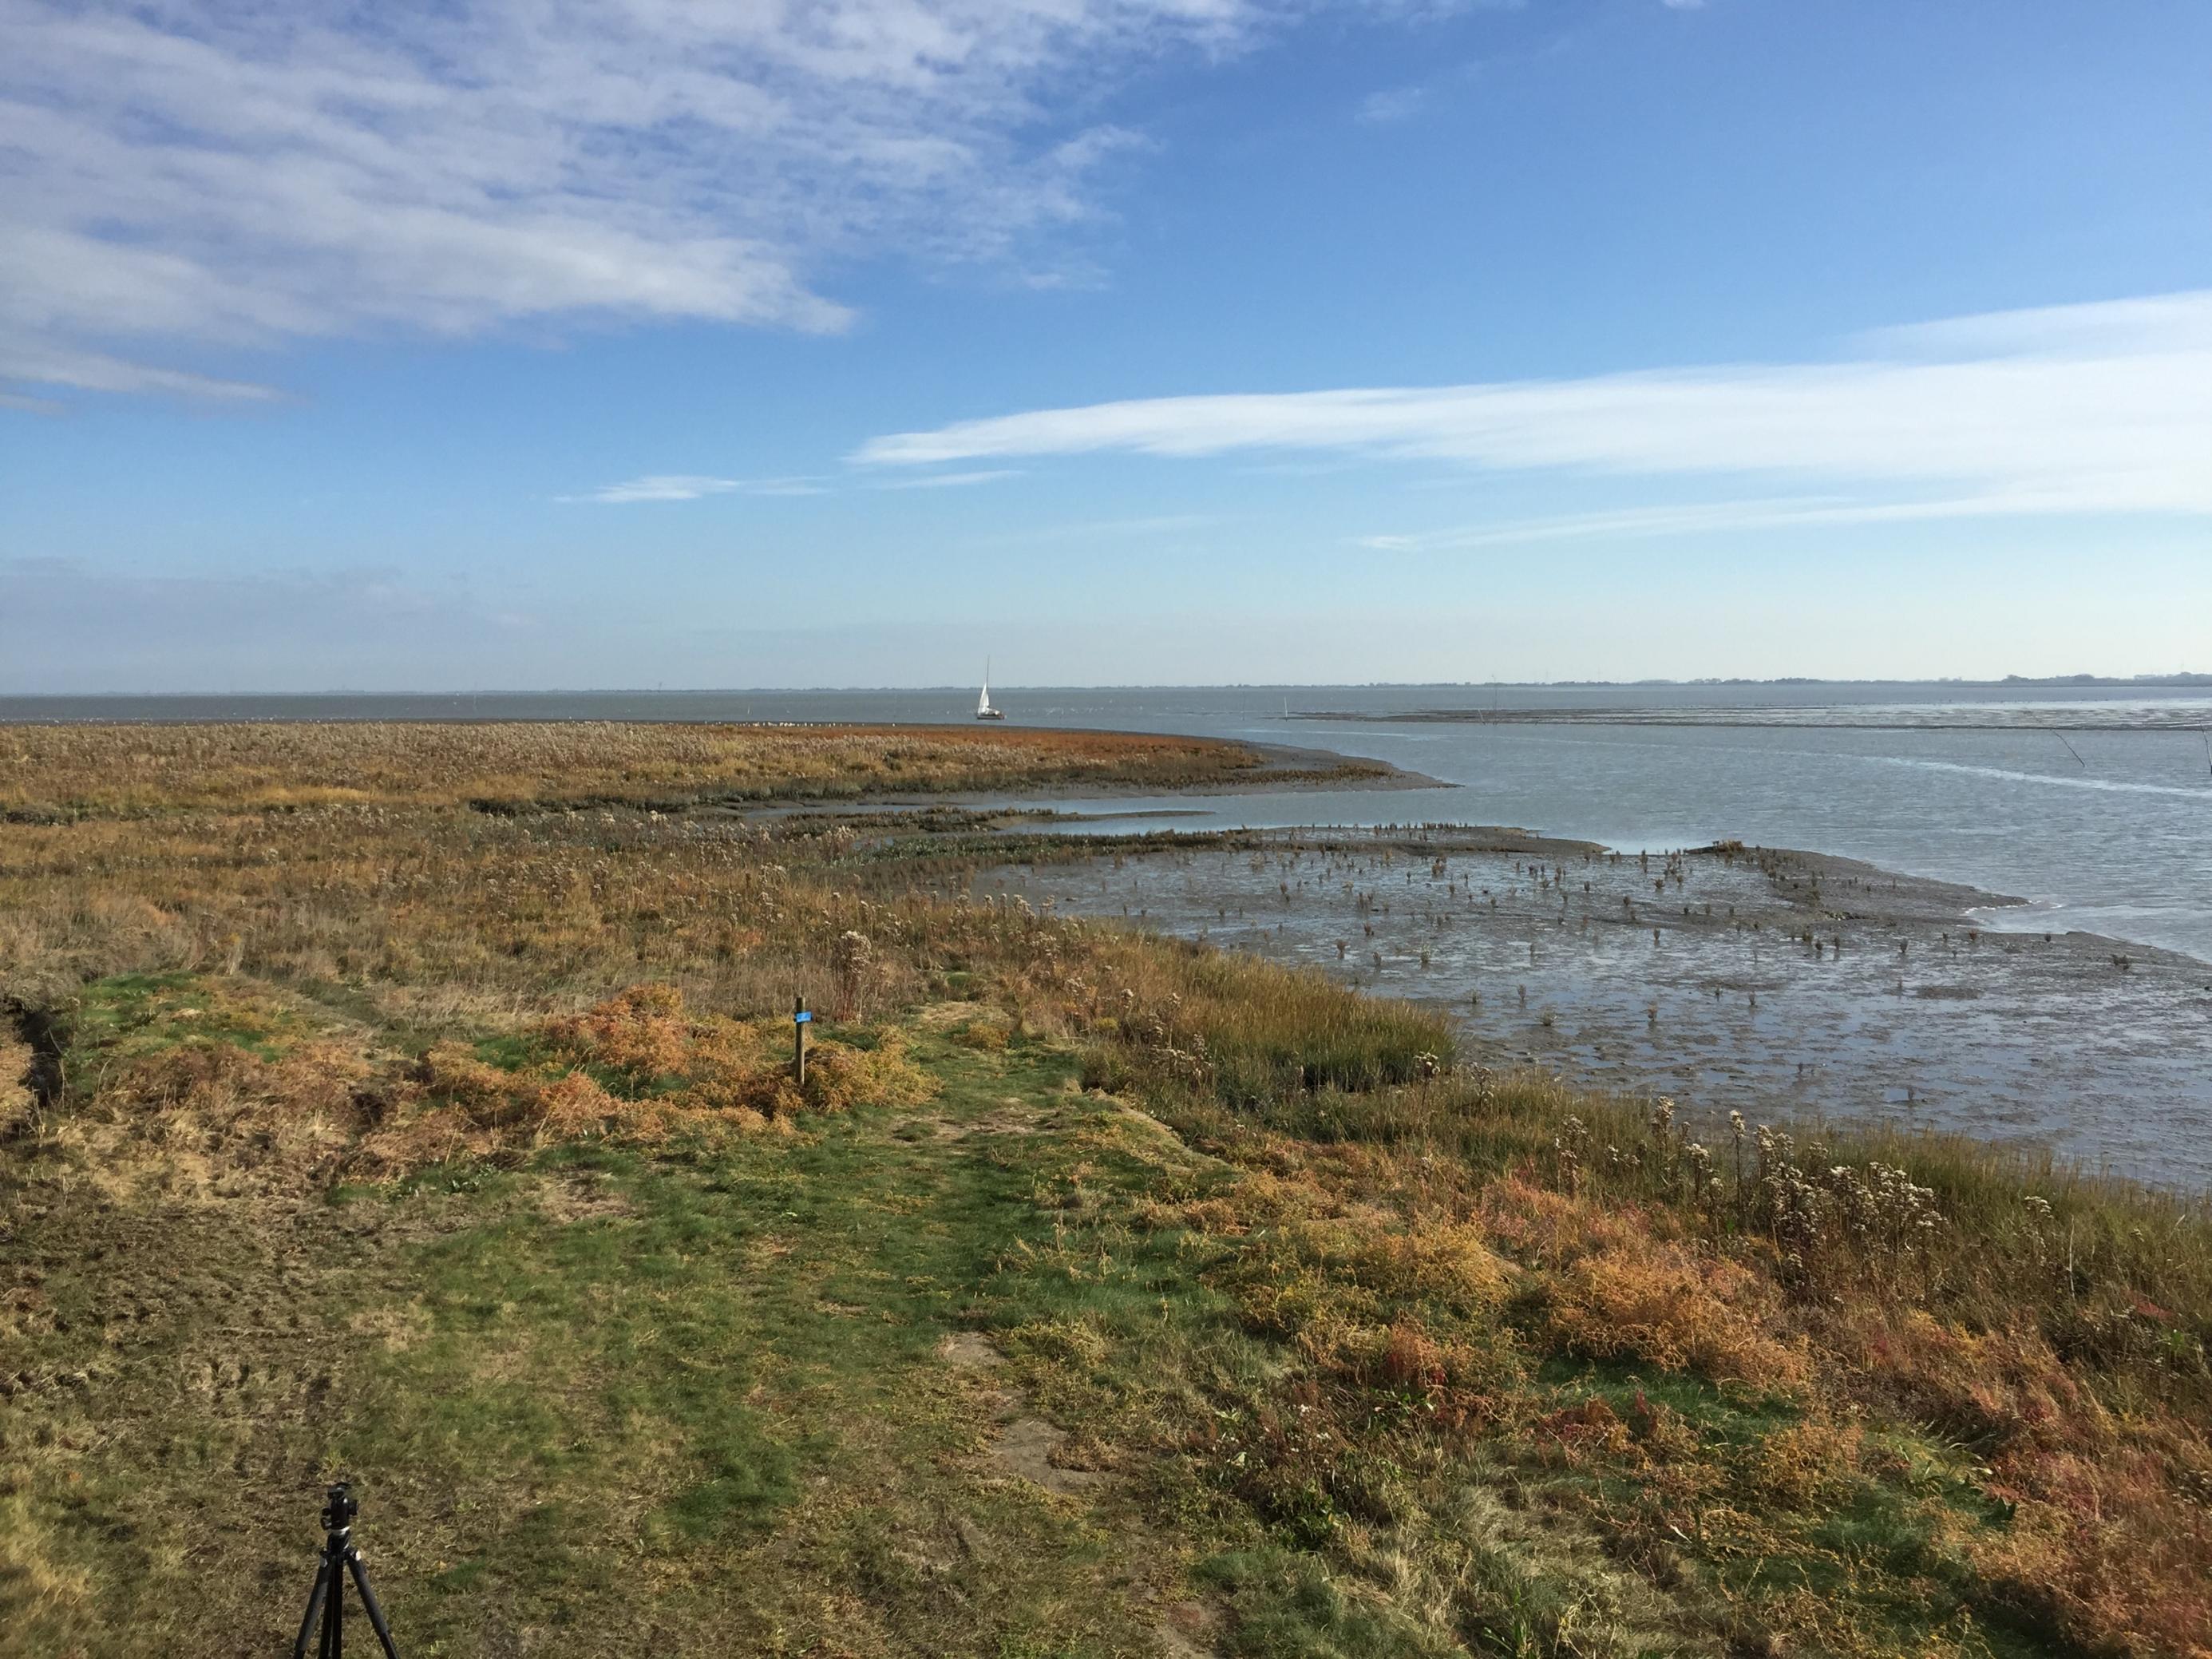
339,1558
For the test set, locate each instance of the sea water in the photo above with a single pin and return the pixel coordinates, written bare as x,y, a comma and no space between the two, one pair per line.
2092,804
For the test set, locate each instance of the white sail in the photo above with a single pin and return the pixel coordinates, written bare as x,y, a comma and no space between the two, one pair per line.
983,702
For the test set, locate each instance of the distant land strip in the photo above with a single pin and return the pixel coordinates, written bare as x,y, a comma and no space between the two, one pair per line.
2043,719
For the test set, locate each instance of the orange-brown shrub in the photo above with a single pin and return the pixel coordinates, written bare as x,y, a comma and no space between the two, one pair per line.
713,1063
209,1115
642,1031
2107,1534
2116,1556
1366,1297
1994,1389
1677,1311
674,1075
1800,1465
1614,1292
489,1096
1449,1264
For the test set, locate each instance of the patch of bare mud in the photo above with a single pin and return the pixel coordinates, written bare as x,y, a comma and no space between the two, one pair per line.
969,1351
1026,1447
1012,1116
1187,1631
1787,986
1023,1445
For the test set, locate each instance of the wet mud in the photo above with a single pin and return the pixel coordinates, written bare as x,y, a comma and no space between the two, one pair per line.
1778,984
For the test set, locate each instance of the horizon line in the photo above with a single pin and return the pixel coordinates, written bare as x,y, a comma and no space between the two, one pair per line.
2175,678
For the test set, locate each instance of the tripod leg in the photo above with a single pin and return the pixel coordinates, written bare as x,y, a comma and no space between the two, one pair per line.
314,1607
369,1603
334,1609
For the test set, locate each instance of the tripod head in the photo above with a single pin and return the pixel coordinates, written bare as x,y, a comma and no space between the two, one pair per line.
341,1507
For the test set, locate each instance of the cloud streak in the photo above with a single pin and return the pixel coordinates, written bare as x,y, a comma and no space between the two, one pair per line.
2094,408
1699,518
1393,105
691,487
215,173
949,480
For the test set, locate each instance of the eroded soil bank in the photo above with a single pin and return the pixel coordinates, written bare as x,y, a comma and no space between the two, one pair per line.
1774,983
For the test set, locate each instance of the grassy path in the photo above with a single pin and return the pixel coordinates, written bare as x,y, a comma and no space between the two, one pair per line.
606,1405
1015,1371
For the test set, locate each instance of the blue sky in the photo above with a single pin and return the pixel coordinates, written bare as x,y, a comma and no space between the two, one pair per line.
1123,340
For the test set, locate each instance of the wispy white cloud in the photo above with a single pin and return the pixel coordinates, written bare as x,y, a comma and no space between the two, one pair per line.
1392,105
1696,517
949,480
2096,408
783,487
2149,326
210,172
657,486
691,487
35,362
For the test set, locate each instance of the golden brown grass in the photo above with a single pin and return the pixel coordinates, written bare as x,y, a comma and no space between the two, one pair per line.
98,770
637,1069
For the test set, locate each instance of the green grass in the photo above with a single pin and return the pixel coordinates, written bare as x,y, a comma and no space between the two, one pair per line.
125,1016
603,1394
691,1399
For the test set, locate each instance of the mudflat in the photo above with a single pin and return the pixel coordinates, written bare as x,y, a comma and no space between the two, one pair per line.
1781,984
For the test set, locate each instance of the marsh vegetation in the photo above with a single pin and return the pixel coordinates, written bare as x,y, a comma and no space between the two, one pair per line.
1101,1294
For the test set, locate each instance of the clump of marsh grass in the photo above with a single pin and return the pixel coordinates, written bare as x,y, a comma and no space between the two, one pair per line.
1250,1032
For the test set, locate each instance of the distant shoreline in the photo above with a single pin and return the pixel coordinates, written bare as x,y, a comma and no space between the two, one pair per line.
2047,717
29,701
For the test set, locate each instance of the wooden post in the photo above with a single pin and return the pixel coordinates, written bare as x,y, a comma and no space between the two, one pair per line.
800,1019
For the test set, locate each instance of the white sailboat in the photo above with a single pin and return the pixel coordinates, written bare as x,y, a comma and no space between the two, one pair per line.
983,709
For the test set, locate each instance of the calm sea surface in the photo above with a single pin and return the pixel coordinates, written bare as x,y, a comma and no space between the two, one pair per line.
2092,804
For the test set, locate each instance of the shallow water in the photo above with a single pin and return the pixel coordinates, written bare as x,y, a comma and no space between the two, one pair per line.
2125,851
1580,966
2107,830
